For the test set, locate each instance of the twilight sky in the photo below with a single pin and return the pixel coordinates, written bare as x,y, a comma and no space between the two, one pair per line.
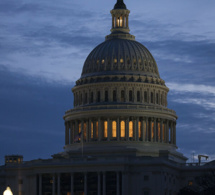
43,45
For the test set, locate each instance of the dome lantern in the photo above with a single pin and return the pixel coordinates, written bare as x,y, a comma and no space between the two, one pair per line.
120,17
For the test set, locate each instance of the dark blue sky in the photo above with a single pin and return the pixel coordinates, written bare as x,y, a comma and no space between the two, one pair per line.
43,45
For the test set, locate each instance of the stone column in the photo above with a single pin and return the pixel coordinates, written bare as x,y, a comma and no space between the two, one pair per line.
99,183
143,129
58,184
127,129
89,135
40,184
109,129
53,185
118,129
87,131
137,129
118,183
76,128
85,183
71,132
167,131
151,131
72,184
155,130
66,133
161,131
104,183
82,131
99,130
147,129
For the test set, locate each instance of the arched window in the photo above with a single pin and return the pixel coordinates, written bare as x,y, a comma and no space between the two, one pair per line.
145,96
98,96
122,129
114,129
122,96
130,96
152,97
138,96
114,95
131,130
106,96
91,97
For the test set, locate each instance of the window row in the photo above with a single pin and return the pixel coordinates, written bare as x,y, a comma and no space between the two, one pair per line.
119,96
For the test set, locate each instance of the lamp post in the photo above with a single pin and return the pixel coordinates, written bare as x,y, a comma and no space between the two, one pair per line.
8,191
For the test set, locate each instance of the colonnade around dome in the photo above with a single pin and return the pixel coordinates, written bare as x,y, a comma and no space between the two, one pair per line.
135,129
120,93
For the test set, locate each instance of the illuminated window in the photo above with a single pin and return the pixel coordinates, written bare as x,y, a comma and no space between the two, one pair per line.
131,132
105,128
91,130
152,133
135,61
121,61
115,60
140,61
79,127
119,21
159,131
122,125
97,62
139,129
114,129
103,61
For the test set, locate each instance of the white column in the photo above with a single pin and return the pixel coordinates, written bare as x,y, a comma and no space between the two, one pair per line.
89,135
72,132
109,128
155,130
167,131
143,129
99,129
137,129
127,129
161,131
118,129
72,184
104,183
85,183
58,184
147,132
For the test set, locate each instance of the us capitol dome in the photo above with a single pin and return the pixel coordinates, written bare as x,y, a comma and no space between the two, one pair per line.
120,101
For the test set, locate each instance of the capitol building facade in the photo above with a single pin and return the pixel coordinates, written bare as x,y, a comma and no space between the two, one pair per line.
120,136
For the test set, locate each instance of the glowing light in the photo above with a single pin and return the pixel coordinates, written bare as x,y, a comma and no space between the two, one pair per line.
8,191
